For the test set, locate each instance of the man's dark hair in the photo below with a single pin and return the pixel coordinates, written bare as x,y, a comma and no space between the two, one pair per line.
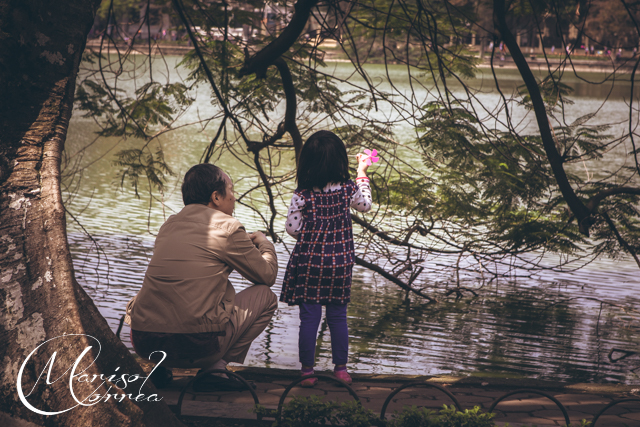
200,182
323,160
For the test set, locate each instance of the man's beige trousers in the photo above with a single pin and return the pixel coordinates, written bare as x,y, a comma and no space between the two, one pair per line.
254,308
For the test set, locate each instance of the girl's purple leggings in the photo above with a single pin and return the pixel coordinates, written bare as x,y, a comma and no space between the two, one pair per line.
310,315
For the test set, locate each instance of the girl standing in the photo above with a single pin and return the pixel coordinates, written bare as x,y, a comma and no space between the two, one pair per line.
319,271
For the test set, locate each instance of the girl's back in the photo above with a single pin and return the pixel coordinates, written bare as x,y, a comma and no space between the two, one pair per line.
320,266
319,270
326,214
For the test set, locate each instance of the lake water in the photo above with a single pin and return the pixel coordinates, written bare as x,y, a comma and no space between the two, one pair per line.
554,325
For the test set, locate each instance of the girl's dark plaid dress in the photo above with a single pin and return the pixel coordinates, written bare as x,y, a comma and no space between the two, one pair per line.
319,270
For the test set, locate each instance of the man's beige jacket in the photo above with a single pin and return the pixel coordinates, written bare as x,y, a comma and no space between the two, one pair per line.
186,288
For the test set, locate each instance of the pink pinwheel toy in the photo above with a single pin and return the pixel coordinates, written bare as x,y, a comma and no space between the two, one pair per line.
371,156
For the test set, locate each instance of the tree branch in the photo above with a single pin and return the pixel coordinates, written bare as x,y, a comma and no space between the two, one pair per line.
290,113
620,239
392,278
382,234
259,62
576,205
593,202
179,8
267,186
289,123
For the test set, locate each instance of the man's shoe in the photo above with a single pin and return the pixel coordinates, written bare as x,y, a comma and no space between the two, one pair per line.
161,377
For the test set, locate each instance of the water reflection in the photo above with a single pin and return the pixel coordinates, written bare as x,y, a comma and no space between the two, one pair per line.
532,329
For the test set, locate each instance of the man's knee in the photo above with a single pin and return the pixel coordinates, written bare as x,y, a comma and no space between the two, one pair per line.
266,298
272,300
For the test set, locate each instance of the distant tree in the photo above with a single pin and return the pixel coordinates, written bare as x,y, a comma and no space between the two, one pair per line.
611,24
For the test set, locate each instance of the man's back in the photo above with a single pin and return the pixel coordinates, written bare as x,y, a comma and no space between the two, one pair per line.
186,287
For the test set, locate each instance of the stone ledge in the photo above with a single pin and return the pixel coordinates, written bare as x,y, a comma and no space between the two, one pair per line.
449,380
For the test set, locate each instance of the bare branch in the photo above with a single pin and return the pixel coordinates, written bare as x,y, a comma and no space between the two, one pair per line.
259,62
393,278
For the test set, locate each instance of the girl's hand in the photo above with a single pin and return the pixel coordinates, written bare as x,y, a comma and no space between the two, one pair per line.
363,165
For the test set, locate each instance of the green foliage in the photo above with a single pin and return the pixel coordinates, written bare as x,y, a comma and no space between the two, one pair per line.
407,28
313,411
142,163
139,115
415,417
554,93
256,99
212,14
624,213
583,423
93,99
490,180
154,107
129,12
580,142
122,9
447,416
450,417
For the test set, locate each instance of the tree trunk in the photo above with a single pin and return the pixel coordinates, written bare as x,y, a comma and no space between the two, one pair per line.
556,161
41,44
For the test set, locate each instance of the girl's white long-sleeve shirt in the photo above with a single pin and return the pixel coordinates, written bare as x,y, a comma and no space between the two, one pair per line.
360,201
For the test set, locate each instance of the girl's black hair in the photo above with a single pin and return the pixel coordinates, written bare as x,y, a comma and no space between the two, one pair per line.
323,159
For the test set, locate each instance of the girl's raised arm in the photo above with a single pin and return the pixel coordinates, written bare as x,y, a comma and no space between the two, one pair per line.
361,200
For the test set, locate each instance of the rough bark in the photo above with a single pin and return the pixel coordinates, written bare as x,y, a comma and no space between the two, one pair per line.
41,44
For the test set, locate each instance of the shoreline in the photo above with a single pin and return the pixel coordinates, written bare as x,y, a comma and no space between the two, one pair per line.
610,389
536,64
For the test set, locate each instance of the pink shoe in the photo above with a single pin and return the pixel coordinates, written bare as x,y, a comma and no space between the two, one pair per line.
309,382
343,375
